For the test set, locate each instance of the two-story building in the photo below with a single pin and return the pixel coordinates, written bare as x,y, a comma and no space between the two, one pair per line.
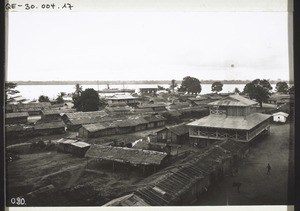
127,99
233,117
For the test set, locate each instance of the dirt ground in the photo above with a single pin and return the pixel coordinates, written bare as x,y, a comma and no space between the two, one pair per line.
73,183
257,187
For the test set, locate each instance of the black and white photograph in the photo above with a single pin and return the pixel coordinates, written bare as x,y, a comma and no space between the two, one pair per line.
127,103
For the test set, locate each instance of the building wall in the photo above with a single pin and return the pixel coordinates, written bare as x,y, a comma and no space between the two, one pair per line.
279,118
33,132
16,120
51,117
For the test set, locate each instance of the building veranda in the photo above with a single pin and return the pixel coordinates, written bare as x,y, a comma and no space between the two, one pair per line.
233,117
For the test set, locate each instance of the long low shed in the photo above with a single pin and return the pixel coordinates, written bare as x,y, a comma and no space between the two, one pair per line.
132,156
16,118
121,126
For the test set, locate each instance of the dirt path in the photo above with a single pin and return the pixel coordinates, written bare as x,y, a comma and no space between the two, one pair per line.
257,187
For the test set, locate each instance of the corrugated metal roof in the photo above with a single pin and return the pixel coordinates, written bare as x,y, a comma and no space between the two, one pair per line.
57,111
126,155
86,114
231,122
180,129
233,100
176,180
155,118
280,114
49,125
80,144
118,109
155,105
14,115
15,128
30,105
127,200
122,97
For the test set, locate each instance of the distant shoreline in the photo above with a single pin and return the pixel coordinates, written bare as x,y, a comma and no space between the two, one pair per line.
130,82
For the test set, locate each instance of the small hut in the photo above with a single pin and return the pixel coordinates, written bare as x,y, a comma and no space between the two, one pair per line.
280,117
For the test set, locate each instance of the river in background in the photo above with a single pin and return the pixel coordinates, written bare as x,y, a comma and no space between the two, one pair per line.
32,92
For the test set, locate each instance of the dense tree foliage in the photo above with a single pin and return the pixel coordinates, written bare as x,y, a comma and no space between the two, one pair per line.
236,90
259,90
60,98
173,85
160,87
217,86
10,89
43,98
292,90
282,87
190,85
88,100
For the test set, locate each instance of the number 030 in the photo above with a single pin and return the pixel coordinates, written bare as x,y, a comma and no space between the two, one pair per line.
18,201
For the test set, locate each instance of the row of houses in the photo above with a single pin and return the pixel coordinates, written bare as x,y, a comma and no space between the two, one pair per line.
40,129
186,182
31,108
124,126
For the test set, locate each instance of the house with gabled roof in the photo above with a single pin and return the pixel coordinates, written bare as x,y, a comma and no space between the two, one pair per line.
177,134
232,117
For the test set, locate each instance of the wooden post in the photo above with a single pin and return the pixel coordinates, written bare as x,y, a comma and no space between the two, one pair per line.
87,162
143,170
113,166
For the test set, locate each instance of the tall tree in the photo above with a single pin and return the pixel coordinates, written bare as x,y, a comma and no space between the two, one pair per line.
259,90
87,101
78,90
217,86
43,98
173,85
190,85
282,87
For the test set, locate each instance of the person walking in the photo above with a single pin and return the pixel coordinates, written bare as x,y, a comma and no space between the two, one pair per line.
268,169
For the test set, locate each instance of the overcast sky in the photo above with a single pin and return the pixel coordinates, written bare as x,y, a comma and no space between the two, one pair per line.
147,45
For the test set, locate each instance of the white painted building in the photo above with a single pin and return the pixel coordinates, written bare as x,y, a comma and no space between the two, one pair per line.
280,117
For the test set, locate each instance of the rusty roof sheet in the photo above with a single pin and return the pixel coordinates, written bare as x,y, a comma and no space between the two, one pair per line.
231,122
126,155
